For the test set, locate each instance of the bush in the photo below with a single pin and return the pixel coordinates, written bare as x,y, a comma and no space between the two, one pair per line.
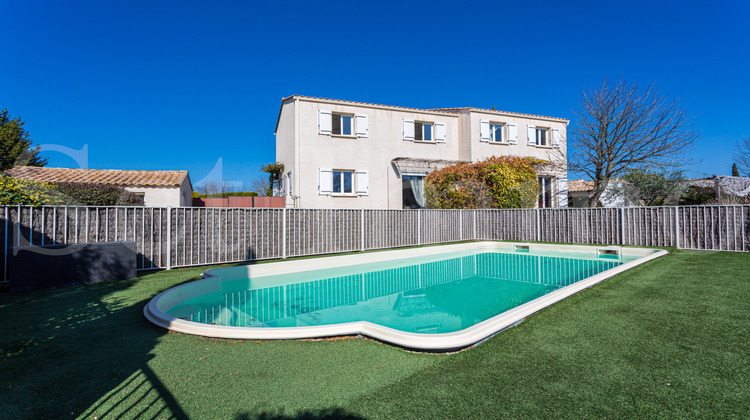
229,194
21,192
97,195
496,182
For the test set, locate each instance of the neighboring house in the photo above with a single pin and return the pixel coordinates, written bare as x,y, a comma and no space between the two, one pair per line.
158,188
725,188
579,192
343,154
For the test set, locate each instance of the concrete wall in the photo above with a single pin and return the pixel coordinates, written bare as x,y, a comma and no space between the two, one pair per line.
304,151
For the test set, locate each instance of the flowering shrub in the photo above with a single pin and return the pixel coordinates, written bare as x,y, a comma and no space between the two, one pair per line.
497,182
22,192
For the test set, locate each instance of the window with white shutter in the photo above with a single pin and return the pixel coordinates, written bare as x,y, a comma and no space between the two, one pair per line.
363,183
361,124
556,137
324,122
484,130
325,181
531,135
408,130
512,134
440,132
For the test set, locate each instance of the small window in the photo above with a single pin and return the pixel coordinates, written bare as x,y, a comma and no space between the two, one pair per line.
343,182
496,133
541,137
341,124
423,131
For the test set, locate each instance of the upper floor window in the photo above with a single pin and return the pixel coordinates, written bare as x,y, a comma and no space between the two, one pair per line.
422,131
541,137
342,124
496,133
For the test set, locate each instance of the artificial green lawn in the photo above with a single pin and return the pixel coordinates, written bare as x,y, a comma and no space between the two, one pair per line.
668,338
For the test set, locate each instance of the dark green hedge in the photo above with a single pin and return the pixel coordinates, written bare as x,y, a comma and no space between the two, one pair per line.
98,195
230,194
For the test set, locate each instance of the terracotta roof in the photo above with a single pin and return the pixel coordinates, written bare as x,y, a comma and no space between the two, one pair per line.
440,110
470,108
579,185
100,176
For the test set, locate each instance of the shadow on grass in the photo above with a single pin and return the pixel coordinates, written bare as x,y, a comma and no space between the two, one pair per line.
328,413
81,351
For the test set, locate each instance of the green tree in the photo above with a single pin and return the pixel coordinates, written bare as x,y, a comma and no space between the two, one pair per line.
15,144
735,171
650,188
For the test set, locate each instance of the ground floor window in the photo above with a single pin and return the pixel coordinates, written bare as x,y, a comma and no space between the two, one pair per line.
545,192
342,182
412,188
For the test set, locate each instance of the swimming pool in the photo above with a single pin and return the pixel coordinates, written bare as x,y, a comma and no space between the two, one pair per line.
433,298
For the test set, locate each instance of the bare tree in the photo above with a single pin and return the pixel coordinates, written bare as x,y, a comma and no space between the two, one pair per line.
217,187
622,127
260,185
742,156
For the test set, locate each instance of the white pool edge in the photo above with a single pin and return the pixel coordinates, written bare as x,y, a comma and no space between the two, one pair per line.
430,342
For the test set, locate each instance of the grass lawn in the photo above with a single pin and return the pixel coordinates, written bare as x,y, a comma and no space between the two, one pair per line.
667,338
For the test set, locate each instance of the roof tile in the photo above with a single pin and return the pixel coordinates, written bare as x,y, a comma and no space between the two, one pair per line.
100,176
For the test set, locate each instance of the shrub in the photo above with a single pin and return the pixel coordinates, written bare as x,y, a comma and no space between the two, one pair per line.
21,192
97,195
229,194
497,182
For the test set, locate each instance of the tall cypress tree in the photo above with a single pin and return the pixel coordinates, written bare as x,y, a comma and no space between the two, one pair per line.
15,145
735,171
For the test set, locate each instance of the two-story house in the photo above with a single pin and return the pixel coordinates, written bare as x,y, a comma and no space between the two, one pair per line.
344,154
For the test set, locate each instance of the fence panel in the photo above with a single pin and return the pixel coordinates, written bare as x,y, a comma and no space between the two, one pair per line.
323,231
721,228
439,226
391,228
191,236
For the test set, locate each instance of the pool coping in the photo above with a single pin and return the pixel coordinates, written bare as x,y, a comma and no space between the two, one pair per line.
155,310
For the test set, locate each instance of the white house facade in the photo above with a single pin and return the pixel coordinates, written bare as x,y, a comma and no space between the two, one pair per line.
343,154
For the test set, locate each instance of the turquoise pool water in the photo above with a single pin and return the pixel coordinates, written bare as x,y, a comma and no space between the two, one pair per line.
436,294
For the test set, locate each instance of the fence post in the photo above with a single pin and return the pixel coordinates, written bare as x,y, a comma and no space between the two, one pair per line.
362,228
460,225
419,227
283,232
169,238
622,225
5,249
538,225
677,227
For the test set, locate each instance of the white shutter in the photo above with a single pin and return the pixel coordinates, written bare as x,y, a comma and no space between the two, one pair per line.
562,192
556,137
324,122
325,181
361,123
363,183
484,130
512,134
408,130
531,135
440,133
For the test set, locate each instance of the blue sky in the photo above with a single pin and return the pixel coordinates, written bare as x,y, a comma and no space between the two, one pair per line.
181,84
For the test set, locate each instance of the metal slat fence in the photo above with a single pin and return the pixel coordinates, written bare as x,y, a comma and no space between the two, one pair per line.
189,236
